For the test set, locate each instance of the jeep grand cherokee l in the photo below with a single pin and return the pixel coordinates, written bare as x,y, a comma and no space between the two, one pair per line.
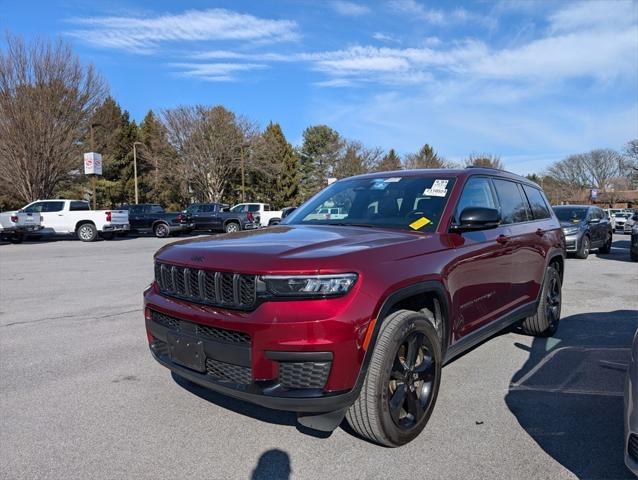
355,316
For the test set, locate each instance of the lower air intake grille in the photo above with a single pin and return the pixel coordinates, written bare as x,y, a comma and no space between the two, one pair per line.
632,447
303,374
214,333
160,348
228,371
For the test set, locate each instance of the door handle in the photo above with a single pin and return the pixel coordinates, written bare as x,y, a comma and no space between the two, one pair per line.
60,215
540,232
502,239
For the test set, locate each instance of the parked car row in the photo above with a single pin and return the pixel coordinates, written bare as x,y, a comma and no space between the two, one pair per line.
75,217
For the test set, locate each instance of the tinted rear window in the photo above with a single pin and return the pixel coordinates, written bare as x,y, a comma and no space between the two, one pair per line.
79,206
536,202
514,207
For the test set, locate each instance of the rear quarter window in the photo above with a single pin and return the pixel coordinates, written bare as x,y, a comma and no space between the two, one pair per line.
79,206
540,209
514,207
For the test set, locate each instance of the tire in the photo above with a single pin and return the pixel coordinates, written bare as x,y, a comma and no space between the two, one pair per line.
232,227
606,248
545,321
86,232
416,387
161,230
585,246
17,238
108,235
633,255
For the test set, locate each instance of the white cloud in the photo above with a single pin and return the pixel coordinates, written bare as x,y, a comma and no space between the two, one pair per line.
594,14
214,72
349,9
384,37
146,34
418,11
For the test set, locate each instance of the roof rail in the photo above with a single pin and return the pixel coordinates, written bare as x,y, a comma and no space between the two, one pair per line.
489,168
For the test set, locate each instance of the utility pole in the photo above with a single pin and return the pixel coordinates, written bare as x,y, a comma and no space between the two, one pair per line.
243,186
137,200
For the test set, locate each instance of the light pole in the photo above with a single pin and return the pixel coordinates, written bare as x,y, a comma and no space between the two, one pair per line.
94,177
135,169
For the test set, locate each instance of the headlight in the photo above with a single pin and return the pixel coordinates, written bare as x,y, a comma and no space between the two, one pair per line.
570,230
306,285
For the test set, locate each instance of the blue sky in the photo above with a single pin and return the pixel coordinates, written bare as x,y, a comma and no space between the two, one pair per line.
529,81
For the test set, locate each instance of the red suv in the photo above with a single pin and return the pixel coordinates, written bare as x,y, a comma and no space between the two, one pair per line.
353,304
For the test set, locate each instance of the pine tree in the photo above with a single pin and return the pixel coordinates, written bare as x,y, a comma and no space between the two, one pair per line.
425,158
322,147
389,162
484,160
284,191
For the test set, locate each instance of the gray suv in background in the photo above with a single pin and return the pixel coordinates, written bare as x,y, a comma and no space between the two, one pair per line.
586,228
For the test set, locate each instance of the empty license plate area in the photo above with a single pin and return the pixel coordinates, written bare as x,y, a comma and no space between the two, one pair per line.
186,351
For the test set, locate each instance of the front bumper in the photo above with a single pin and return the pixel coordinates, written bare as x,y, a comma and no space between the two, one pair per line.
307,363
250,226
572,242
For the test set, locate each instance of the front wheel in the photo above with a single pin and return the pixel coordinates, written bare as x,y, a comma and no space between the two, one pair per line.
545,321
17,238
585,246
87,232
402,382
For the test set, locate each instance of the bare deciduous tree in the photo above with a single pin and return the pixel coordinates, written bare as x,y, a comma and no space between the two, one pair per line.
211,143
46,99
484,160
595,169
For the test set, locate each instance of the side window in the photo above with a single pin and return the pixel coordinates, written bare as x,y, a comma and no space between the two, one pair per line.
53,206
79,206
540,209
266,208
514,208
476,193
239,208
155,209
207,208
34,207
253,208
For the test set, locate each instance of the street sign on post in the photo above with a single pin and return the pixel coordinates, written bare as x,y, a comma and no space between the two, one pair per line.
594,193
93,167
92,163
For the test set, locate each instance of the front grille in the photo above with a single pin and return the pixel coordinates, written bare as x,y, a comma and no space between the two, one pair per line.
231,290
303,374
227,336
218,334
632,447
160,348
228,371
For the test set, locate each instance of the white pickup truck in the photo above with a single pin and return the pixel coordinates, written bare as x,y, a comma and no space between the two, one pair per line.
15,225
261,211
63,217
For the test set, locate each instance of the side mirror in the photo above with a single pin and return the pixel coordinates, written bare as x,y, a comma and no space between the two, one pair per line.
477,218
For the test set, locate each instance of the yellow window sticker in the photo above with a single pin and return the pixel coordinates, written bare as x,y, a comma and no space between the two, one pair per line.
420,223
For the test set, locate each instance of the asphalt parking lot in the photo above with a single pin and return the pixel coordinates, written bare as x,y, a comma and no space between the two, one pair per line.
81,397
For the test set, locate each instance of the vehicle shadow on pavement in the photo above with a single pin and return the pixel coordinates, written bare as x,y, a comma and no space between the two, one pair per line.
568,395
619,251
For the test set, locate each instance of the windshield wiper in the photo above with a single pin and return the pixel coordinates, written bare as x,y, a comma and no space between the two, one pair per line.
344,224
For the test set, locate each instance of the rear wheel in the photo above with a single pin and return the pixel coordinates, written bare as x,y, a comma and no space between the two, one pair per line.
545,321
402,383
87,232
161,230
17,238
585,246
606,248
231,227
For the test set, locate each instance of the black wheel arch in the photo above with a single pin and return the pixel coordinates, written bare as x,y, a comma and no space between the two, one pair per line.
84,222
432,289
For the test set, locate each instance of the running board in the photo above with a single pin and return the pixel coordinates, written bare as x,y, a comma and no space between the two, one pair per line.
487,331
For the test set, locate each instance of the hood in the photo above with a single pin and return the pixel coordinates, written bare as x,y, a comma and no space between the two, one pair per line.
287,248
570,224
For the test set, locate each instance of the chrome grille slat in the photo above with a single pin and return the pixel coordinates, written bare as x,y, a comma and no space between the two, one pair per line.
232,290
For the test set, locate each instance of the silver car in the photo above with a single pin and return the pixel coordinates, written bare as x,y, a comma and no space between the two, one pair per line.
631,409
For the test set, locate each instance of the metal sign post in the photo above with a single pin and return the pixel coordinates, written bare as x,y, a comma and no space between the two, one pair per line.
93,167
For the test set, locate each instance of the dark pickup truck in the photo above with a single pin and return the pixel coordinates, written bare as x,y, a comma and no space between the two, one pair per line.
217,217
151,217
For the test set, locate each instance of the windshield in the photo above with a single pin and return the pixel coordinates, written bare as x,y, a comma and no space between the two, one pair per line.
406,203
573,215
623,215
